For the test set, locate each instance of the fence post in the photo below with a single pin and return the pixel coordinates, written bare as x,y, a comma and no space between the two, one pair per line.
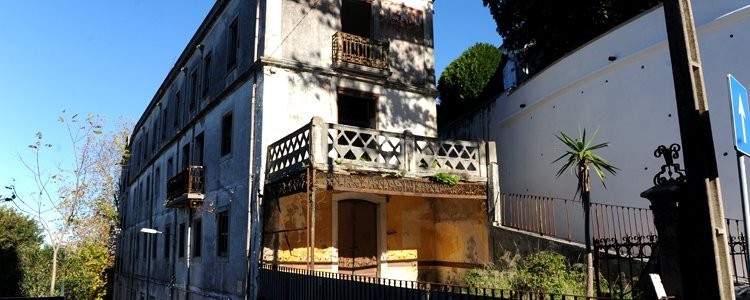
664,205
408,155
493,186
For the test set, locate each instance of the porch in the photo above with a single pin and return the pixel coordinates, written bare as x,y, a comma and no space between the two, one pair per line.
365,202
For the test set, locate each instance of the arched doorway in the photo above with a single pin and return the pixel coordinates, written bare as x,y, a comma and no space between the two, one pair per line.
358,237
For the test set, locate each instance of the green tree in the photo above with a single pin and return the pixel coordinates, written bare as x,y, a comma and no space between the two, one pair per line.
463,81
20,239
542,31
74,200
580,157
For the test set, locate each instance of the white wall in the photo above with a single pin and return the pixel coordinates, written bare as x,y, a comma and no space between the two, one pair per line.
630,100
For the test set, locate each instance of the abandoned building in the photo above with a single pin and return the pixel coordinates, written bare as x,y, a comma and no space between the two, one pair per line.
300,134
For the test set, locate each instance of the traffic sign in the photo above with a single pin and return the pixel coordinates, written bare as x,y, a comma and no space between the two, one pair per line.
740,114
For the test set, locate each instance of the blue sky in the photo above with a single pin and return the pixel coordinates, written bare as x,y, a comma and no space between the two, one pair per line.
109,58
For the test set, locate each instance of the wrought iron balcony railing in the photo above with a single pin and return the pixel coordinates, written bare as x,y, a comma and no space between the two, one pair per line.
355,49
185,187
334,147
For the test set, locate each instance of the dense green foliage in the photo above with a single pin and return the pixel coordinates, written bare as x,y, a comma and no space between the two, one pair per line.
463,81
80,223
544,272
543,31
20,239
445,178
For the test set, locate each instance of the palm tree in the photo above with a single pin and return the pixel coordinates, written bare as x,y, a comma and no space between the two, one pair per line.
580,155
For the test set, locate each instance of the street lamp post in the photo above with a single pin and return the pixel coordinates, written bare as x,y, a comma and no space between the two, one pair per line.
150,232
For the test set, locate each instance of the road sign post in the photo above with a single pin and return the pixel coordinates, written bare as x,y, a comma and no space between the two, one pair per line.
738,97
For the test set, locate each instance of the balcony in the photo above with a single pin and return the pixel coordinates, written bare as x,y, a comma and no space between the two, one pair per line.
186,189
353,49
342,149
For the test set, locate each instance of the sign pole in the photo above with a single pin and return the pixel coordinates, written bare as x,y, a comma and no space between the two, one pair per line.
745,207
739,105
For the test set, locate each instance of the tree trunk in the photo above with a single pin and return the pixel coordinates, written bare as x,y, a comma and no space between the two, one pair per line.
589,253
585,188
54,271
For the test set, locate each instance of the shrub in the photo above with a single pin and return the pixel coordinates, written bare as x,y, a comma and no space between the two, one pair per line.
543,272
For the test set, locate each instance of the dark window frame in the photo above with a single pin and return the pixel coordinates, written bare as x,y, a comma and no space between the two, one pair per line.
197,243
222,234
205,87
182,233
227,124
167,240
233,43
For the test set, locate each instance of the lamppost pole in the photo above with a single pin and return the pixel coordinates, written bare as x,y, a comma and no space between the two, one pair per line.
150,234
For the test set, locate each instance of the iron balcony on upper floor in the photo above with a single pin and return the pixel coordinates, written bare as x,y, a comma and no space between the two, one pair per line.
186,188
353,49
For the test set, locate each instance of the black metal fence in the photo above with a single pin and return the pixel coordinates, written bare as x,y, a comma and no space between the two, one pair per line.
290,283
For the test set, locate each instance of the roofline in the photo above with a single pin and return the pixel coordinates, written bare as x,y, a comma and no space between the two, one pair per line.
190,48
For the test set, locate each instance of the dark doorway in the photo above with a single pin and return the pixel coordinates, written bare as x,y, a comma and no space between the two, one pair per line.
357,109
358,239
355,17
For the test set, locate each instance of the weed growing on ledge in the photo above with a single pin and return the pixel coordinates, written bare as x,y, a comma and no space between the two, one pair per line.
446,178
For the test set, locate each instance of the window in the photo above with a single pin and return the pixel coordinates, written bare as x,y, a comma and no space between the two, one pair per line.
157,182
185,157
223,234
177,103
194,89
198,151
170,168
232,44
181,250
197,234
206,75
357,109
355,17
164,115
145,246
153,137
226,134
167,239
148,195
152,237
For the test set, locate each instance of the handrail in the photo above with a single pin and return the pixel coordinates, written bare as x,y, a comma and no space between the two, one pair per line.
328,146
360,50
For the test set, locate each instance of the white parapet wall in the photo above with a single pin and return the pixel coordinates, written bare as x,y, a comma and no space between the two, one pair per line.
620,84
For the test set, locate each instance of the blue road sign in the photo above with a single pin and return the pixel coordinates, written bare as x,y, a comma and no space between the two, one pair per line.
740,114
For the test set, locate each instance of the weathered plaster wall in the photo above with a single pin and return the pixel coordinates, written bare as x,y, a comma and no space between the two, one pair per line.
426,239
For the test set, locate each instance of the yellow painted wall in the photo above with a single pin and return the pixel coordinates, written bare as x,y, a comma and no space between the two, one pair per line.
290,247
427,239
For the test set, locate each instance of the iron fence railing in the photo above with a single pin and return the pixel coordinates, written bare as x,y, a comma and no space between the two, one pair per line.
290,283
612,225
360,50
736,238
563,218
329,146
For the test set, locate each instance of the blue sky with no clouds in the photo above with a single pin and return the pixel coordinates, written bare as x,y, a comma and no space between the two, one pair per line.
109,58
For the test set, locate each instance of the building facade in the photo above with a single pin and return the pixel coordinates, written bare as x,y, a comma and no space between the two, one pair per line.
221,135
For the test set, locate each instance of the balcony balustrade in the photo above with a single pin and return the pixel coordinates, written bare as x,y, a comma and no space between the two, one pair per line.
347,149
350,48
186,188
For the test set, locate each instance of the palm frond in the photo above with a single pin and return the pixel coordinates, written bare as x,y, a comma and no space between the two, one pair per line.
581,151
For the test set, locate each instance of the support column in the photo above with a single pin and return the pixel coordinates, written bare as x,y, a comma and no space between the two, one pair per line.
705,269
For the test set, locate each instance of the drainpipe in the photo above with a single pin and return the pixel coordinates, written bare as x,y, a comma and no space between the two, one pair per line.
252,264
187,252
